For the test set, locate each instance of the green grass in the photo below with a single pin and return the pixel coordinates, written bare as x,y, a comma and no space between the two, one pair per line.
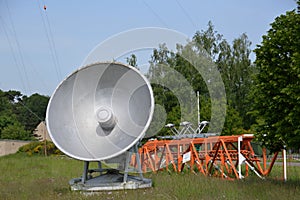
36,177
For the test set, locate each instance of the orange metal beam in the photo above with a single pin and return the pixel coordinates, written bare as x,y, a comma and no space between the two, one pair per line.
220,152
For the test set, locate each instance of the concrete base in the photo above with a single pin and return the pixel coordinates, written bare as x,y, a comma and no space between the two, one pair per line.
109,181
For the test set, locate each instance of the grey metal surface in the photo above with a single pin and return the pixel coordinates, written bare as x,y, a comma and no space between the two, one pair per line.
100,111
110,181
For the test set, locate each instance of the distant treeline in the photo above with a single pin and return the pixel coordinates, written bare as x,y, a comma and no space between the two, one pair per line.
20,114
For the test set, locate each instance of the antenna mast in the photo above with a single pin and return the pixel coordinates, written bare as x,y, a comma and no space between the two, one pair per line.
198,101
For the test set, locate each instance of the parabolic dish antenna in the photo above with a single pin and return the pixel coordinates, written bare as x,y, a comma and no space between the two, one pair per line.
100,111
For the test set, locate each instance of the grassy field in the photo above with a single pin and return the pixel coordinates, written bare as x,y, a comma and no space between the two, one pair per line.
35,177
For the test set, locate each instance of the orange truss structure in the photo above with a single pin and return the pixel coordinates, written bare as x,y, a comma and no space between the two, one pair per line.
228,157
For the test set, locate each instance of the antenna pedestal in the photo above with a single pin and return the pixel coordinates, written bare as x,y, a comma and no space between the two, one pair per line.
111,179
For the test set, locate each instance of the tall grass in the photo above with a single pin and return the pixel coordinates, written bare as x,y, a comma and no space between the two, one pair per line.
36,177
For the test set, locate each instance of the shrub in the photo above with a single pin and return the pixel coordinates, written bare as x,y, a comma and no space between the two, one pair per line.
38,148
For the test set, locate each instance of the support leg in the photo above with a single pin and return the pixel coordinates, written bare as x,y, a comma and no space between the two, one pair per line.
85,171
100,167
138,160
127,160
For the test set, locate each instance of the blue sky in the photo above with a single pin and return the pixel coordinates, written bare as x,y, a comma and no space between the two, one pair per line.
40,48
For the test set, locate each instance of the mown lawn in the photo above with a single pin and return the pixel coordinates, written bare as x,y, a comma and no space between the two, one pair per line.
37,177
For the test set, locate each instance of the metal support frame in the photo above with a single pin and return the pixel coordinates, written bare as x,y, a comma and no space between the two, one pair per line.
221,156
187,129
86,171
129,154
112,179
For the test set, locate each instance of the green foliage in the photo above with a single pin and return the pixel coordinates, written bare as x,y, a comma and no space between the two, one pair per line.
5,104
208,41
233,123
19,114
237,71
32,110
132,61
40,148
15,131
178,75
11,128
276,93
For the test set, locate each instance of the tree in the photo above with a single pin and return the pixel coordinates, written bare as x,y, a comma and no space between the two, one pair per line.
208,41
235,67
8,120
32,110
19,114
132,61
237,71
15,131
276,94
161,76
194,62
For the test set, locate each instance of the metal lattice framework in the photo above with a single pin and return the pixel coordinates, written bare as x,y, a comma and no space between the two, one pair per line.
229,157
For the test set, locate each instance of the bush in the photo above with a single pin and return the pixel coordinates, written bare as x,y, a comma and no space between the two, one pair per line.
38,148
